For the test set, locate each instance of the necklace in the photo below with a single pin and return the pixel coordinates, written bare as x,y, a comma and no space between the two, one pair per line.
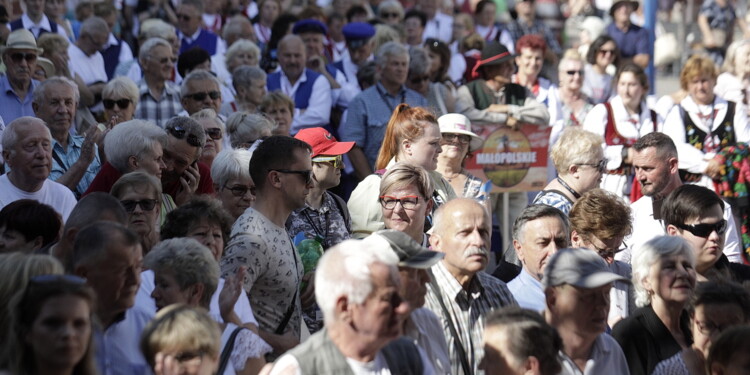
450,179
567,187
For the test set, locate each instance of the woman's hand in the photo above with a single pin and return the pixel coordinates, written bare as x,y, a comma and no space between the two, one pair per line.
230,293
166,364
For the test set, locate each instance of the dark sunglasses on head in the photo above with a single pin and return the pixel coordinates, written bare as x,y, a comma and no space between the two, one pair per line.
146,204
18,56
201,96
306,174
705,230
179,133
121,103
214,133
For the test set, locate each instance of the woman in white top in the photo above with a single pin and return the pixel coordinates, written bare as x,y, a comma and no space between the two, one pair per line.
602,53
530,59
622,121
704,123
733,83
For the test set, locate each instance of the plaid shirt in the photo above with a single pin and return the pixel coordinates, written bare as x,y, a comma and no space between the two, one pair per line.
158,111
467,310
517,29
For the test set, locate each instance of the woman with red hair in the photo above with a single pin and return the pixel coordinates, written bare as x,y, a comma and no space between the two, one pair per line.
530,50
411,136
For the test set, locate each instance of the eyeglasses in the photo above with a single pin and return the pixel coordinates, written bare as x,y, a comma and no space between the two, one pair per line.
146,204
574,72
389,15
18,56
306,174
421,79
240,190
121,103
201,96
337,161
408,202
164,60
214,133
606,52
606,253
704,230
453,137
601,166
179,133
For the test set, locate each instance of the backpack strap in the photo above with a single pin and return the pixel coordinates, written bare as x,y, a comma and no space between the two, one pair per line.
344,211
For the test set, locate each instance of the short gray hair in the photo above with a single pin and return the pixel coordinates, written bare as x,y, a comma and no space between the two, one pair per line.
404,174
209,114
419,61
575,146
155,28
122,86
391,5
149,45
198,75
40,92
10,135
94,25
242,45
535,212
244,76
132,138
345,271
388,50
191,127
650,254
189,262
242,126
229,164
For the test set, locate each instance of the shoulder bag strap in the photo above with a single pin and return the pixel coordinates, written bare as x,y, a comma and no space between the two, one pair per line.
456,338
224,359
287,316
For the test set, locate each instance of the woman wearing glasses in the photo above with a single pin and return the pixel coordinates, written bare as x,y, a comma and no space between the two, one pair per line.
232,182
214,128
405,192
580,164
119,97
140,194
622,121
574,104
51,327
411,136
602,57
457,142
419,79
391,12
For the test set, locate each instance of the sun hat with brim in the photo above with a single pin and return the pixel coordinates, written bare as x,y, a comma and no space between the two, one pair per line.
493,53
618,3
21,39
410,253
459,124
323,142
47,65
578,267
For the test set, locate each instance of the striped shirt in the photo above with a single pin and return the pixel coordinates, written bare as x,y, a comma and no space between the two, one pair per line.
468,310
160,111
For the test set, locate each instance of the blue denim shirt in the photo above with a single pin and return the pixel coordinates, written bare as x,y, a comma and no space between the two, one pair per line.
11,106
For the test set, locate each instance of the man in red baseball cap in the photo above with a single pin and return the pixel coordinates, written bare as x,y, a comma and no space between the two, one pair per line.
325,217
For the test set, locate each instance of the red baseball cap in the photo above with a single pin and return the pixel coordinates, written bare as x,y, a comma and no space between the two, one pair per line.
323,142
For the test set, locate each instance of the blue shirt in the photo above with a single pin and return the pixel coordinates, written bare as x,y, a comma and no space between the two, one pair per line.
117,348
369,113
528,291
68,158
11,106
633,42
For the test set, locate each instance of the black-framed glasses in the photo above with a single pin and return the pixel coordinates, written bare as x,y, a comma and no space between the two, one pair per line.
145,204
306,174
240,190
336,161
201,96
17,57
604,252
121,103
408,202
453,137
574,72
600,166
214,133
704,230
417,80
179,133
606,51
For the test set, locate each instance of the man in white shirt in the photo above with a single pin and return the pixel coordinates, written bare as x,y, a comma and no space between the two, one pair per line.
360,44
85,58
27,150
36,21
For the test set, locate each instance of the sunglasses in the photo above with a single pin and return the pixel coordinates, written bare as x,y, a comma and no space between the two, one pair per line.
408,202
146,204
389,15
121,103
601,166
17,57
306,174
167,60
214,133
574,72
240,190
704,230
336,161
201,96
179,133
421,79
606,51
453,137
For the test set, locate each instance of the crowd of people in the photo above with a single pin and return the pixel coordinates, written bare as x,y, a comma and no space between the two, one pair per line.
281,187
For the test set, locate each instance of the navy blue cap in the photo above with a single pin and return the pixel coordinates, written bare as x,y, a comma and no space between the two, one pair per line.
358,33
309,26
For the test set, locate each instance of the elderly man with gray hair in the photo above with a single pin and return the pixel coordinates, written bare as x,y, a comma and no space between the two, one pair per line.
371,109
200,90
249,84
85,58
75,158
357,288
159,96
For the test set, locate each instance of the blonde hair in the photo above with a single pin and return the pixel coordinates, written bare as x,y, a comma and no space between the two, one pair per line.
575,146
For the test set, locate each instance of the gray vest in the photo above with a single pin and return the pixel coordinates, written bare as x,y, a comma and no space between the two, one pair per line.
318,355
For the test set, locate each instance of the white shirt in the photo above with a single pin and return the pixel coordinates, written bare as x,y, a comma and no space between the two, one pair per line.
43,24
606,357
51,193
528,291
440,27
318,111
90,68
